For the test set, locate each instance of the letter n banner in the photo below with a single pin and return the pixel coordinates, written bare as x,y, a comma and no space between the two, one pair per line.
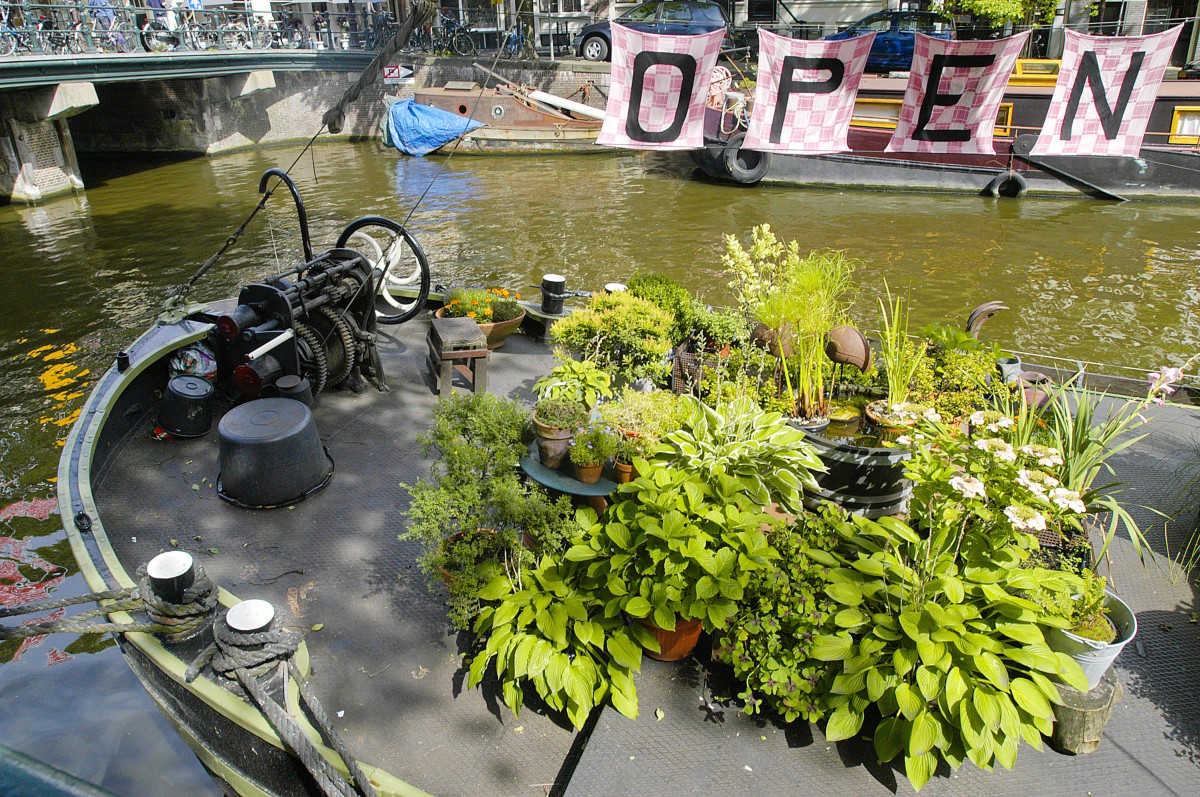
659,84
1105,92
805,94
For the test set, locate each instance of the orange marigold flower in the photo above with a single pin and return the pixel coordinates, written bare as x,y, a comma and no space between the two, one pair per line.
471,314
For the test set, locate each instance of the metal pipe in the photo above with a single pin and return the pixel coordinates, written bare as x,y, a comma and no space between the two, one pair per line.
270,344
283,177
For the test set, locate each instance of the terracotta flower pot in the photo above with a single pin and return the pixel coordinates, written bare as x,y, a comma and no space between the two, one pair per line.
588,474
623,471
677,644
552,443
496,332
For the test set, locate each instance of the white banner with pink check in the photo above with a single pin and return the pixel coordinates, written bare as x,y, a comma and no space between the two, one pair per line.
804,98
659,85
1105,92
954,93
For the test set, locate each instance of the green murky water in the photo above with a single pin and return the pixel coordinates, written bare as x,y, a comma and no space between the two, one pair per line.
79,277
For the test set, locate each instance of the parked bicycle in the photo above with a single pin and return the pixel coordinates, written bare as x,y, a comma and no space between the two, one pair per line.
101,28
450,36
46,35
517,45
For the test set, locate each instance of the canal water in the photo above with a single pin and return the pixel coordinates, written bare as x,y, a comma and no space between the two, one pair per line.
80,277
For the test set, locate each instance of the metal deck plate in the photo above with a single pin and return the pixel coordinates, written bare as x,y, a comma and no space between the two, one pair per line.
385,667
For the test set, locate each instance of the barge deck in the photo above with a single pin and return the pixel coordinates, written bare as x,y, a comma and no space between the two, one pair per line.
393,678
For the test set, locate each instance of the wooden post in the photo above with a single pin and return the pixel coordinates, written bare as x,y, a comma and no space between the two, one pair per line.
1079,722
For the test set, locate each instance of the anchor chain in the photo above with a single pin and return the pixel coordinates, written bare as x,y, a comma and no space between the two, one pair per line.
246,658
172,621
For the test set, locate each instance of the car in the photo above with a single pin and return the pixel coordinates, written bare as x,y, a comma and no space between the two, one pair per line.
678,17
895,36
1189,71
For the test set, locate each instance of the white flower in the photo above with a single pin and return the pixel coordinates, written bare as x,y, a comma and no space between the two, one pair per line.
969,486
1005,422
998,448
1068,499
978,418
904,440
932,416
1023,518
1036,481
1046,457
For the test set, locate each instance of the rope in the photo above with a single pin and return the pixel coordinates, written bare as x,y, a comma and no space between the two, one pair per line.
173,621
248,657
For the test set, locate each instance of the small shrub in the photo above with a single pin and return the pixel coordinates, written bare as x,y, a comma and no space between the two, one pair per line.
561,413
484,305
594,445
628,336
668,295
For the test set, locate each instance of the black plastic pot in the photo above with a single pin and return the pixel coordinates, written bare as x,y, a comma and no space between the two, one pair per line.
186,409
863,481
270,454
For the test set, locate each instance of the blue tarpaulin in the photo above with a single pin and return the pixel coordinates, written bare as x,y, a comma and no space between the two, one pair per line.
420,129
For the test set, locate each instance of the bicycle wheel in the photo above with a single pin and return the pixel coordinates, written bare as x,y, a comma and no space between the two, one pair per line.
8,44
463,44
391,249
155,37
260,37
124,37
76,43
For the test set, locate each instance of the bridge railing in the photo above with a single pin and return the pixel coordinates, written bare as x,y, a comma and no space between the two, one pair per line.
103,26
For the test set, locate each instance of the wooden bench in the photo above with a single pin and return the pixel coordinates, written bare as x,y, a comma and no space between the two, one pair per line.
457,344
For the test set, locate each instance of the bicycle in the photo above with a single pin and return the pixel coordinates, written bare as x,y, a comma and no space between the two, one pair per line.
106,34
516,45
453,36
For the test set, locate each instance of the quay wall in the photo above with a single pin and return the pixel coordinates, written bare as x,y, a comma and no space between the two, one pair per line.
214,115
47,126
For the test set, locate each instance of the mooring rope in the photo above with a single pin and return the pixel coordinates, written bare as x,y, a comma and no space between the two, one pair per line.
247,657
173,621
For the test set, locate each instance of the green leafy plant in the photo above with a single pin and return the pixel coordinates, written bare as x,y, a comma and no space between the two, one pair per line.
769,460
938,631
483,305
799,298
784,608
577,380
670,296
628,336
594,445
901,356
561,413
648,415
1082,612
719,327
554,635
631,448
477,441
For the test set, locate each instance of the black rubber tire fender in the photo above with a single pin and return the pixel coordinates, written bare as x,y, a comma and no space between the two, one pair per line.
745,166
1009,184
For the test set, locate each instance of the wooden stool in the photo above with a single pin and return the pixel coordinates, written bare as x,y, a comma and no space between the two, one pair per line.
457,343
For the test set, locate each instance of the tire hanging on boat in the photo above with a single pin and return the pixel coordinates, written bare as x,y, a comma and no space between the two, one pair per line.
1009,184
313,363
745,166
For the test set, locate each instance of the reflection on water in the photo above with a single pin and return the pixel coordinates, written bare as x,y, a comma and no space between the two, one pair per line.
80,276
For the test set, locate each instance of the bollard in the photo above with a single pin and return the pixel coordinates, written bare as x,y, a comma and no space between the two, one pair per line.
251,616
554,291
171,575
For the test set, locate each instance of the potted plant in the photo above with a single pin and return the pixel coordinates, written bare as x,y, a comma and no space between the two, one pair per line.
590,450
718,330
667,294
554,421
902,359
1091,625
675,551
495,310
623,334
798,299
646,415
472,514
628,449
581,381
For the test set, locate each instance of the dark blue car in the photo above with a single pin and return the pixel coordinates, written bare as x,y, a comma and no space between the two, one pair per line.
895,36
675,17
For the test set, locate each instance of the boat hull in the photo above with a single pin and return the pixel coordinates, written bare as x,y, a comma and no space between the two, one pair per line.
513,125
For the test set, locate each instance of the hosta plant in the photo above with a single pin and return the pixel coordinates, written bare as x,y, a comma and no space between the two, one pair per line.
581,381
771,461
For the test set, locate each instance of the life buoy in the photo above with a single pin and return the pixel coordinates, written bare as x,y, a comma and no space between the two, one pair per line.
1007,184
746,166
